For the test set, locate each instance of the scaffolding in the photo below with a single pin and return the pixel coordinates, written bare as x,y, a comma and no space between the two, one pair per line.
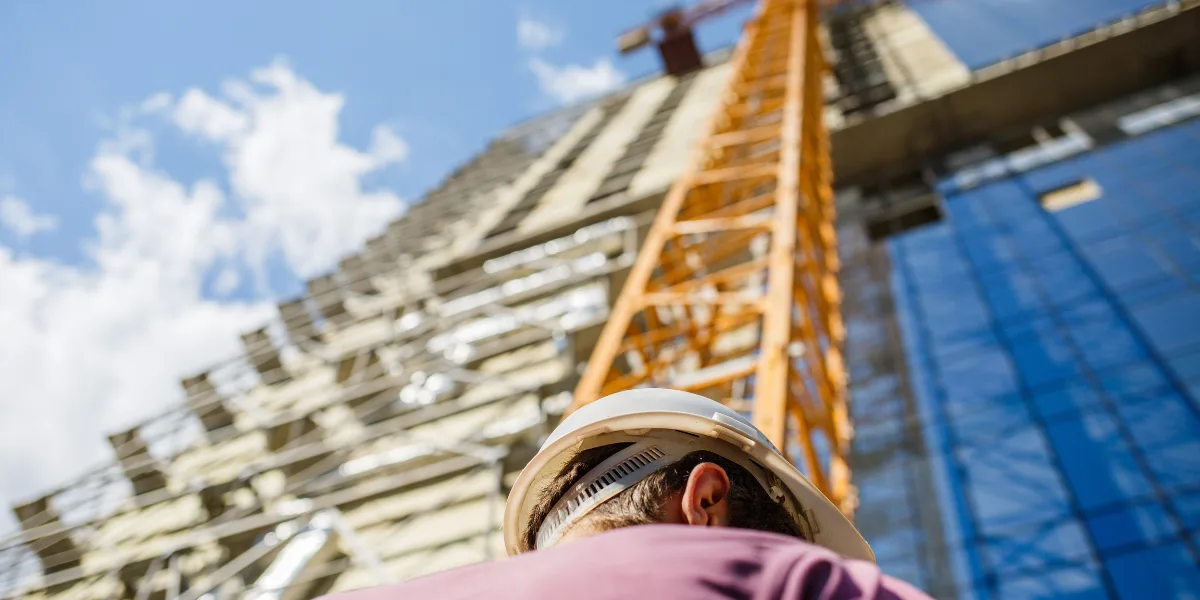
382,396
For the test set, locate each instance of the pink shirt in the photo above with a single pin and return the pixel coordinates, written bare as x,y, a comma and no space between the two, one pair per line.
661,561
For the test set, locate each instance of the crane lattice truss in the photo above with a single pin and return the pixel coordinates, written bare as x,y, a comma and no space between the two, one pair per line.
734,293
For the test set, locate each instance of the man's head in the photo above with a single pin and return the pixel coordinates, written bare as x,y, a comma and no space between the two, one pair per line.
701,489
665,456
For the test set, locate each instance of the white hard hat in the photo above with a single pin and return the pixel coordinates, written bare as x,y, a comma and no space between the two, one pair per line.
648,418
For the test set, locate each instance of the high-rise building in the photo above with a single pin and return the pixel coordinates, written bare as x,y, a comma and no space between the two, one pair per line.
1019,222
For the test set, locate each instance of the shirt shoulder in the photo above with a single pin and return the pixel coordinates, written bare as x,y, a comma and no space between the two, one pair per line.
662,561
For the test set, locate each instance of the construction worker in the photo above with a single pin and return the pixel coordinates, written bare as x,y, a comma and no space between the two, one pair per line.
604,508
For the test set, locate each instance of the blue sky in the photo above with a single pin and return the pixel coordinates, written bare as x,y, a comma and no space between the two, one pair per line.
170,169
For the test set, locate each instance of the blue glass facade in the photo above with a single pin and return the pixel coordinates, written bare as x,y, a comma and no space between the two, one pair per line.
1054,358
981,32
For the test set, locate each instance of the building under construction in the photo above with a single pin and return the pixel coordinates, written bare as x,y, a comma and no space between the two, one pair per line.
1018,239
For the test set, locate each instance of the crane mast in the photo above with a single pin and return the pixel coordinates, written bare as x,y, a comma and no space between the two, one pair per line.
734,293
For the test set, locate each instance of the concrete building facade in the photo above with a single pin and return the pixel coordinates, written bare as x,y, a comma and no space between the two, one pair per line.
1020,234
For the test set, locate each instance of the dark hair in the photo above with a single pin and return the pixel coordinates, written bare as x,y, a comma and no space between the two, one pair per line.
749,505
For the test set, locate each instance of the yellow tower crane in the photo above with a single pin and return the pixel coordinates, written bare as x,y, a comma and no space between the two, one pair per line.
734,294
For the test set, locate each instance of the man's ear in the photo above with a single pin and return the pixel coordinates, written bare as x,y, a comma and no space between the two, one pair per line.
705,499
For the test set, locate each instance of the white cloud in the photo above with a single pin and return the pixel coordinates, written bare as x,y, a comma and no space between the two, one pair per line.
386,146
197,112
226,282
570,83
156,103
536,35
18,217
299,186
87,349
